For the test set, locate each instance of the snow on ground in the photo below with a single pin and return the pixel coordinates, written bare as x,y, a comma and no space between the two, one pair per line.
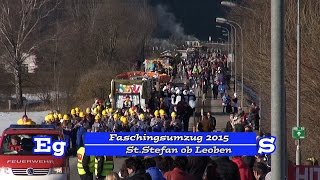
7,118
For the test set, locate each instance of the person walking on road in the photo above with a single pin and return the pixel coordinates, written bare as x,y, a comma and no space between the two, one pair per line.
215,92
85,164
212,120
221,89
205,125
225,102
235,103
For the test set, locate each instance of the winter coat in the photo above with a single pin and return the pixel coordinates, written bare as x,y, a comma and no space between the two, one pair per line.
192,101
178,99
244,170
67,136
177,174
142,126
227,169
197,165
205,125
155,173
140,175
95,127
221,88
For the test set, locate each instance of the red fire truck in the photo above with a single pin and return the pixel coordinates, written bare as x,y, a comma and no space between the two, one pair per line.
17,160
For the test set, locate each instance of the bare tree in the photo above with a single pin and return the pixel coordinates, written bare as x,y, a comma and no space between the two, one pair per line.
19,21
257,64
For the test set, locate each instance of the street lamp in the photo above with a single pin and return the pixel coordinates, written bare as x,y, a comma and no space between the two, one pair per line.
231,5
230,46
234,53
298,152
228,3
225,21
228,34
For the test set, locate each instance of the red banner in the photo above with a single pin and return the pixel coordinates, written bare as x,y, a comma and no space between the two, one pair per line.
304,173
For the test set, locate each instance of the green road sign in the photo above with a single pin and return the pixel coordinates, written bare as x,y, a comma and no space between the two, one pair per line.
298,132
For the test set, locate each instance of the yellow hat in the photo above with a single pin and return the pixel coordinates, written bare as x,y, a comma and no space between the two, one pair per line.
156,113
124,120
95,111
162,112
88,110
97,117
173,114
55,116
60,116
73,111
115,116
66,117
104,113
47,118
50,117
110,110
77,110
141,116
81,114
132,113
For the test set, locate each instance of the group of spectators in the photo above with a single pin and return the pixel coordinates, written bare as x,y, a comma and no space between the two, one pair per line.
194,168
208,71
169,111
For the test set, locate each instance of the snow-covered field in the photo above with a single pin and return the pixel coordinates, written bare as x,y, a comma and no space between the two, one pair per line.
7,118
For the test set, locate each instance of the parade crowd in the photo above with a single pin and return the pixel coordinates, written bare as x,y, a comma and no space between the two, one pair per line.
167,111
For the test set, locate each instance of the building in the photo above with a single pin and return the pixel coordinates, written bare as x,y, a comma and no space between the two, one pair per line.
192,43
29,65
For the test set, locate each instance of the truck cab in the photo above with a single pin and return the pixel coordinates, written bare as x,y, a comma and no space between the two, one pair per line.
17,160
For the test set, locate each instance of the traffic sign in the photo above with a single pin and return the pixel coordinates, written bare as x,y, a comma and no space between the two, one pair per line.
298,132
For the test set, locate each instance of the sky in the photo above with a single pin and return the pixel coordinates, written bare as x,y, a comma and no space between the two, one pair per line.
191,17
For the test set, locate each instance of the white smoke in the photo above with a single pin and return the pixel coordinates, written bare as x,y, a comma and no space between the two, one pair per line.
162,44
167,23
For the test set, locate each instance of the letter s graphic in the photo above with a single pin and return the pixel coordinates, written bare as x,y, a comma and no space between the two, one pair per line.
267,145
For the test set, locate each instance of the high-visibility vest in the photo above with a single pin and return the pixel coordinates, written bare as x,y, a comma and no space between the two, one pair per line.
106,167
80,154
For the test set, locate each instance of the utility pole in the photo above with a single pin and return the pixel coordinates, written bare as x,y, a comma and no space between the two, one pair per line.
235,58
260,83
298,153
278,118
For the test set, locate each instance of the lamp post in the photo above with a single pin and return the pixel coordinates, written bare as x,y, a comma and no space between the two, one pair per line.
232,4
298,153
278,104
228,34
230,46
223,20
234,52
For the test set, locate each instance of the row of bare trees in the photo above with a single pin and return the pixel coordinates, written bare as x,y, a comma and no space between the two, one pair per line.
257,73
80,45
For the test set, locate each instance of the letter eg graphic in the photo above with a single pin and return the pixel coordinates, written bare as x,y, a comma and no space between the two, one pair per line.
44,145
